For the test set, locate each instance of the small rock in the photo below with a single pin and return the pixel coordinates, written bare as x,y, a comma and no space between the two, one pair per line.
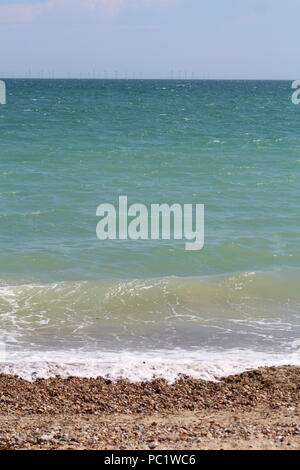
152,445
20,437
46,437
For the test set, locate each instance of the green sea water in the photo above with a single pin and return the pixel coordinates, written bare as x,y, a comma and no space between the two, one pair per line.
66,297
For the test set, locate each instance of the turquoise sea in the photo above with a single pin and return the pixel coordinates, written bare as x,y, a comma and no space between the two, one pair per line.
72,304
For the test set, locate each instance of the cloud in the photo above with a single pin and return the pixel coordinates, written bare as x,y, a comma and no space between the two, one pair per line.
27,11
22,12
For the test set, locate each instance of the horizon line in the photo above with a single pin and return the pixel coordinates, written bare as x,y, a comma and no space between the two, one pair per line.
147,78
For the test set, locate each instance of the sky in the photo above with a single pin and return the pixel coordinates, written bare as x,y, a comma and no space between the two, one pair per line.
241,39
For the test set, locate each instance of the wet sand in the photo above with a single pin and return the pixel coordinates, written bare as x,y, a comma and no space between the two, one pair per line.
255,410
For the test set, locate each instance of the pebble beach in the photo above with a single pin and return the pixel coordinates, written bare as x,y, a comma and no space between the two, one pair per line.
258,409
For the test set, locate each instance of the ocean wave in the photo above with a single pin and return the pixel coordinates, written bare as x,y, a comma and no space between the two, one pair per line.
82,322
245,292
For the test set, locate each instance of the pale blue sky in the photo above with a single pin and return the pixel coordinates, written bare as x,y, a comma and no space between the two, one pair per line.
150,38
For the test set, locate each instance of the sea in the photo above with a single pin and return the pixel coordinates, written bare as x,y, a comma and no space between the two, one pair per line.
73,305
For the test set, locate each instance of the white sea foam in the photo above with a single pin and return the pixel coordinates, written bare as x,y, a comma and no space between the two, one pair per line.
143,366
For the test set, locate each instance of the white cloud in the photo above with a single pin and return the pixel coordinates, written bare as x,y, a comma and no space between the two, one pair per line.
27,12
21,11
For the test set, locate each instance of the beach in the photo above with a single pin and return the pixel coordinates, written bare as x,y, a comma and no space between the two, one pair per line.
258,409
